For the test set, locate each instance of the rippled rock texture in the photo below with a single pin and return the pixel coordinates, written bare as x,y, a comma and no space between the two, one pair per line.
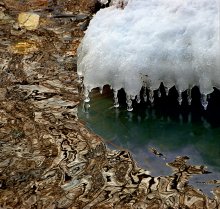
48,159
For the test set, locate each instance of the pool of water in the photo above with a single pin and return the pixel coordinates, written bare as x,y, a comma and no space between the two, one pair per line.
170,129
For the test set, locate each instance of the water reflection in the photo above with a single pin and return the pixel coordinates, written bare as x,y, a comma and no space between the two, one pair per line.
174,130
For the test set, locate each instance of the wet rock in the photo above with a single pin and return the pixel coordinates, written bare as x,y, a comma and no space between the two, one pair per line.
20,5
48,159
83,26
3,92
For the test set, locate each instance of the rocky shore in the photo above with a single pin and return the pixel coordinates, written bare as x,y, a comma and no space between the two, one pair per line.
48,158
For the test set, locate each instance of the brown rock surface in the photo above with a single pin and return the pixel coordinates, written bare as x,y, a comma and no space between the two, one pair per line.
48,159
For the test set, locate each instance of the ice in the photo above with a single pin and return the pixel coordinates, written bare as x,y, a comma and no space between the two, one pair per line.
204,101
129,103
145,93
101,89
189,98
138,98
86,94
159,93
135,43
116,104
180,97
151,96
103,1
167,90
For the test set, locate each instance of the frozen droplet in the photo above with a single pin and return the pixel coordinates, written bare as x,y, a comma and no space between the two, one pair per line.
86,94
151,96
86,107
159,93
132,97
189,97
115,92
116,104
80,79
138,99
87,99
145,97
204,101
189,100
180,99
166,90
129,108
129,103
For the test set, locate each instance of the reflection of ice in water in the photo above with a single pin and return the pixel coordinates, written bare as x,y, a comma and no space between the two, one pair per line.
172,136
148,42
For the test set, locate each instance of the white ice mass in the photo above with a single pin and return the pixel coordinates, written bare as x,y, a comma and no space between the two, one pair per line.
152,41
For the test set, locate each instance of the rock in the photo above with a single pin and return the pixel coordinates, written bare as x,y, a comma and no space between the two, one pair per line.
21,5
48,159
3,92
83,26
28,20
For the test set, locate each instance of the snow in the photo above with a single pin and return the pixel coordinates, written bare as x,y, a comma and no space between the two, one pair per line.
152,41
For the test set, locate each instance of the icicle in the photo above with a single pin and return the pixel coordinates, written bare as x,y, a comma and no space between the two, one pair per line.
158,93
138,99
166,90
86,94
116,104
180,99
151,96
86,107
80,79
132,97
100,89
204,101
189,97
129,103
145,93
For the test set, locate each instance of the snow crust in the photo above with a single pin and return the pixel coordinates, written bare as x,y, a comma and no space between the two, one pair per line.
152,41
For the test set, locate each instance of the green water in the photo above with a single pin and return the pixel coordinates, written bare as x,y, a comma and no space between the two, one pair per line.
148,127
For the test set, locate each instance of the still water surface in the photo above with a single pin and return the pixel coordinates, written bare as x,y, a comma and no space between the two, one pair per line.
171,130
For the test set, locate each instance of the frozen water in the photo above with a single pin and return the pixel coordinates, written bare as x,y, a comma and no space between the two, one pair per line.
116,104
148,42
